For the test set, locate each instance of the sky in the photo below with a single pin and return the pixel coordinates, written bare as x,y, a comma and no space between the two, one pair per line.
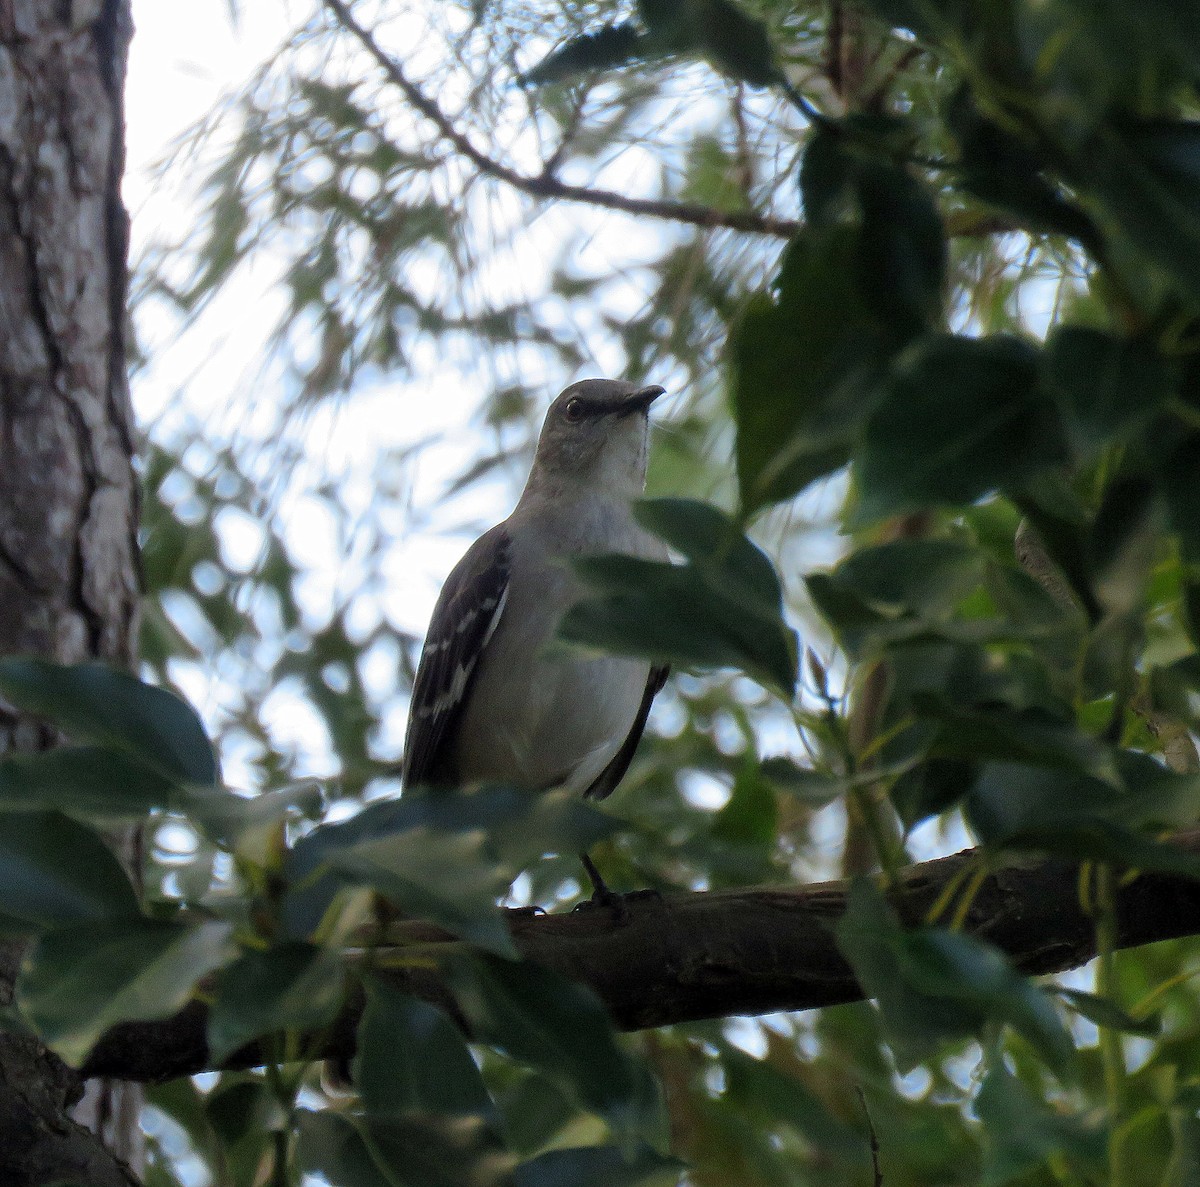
183,59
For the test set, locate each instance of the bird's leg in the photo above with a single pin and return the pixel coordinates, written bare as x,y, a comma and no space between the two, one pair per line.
603,896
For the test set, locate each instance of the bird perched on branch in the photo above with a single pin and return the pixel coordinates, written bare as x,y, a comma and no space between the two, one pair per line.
490,703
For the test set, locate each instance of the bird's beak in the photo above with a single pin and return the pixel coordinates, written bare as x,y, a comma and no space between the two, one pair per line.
640,400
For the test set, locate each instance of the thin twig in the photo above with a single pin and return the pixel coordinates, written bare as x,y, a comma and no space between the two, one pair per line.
548,187
874,1137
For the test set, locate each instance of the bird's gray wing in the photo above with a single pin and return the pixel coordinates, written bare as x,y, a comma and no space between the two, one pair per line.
467,612
606,782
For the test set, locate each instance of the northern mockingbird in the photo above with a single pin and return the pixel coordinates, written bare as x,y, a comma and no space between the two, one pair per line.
490,704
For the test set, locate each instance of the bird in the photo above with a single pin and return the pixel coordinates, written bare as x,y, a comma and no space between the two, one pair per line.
491,703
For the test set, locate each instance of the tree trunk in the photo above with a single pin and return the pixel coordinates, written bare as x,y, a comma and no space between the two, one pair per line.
68,494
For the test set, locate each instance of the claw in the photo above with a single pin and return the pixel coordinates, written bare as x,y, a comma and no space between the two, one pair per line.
602,896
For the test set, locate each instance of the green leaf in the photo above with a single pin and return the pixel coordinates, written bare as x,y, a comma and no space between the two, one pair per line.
807,785
803,369
291,986
931,787
708,537
1146,175
1021,1133
560,1028
1013,803
331,1145
765,1094
737,44
896,590
89,781
995,733
447,879
745,830
77,982
96,703
599,1166
1003,171
750,816
244,1108
959,418
959,968
248,826
412,1059
433,1150
869,935
932,984
1106,1013
54,871
849,174
722,609
1106,386
1177,480
601,49
512,827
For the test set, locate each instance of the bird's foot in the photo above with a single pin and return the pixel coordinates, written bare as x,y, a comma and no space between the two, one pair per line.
529,912
618,904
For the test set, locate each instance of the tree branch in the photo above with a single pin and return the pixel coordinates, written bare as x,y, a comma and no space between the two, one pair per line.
737,952
545,185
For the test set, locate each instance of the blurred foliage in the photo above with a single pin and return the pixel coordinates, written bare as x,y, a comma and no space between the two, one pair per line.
940,410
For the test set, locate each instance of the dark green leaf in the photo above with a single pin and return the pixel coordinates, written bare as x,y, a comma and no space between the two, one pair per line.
55,871
768,1095
96,703
238,1109
959,418
435,1150
803,369
513,828
1146,174
1022,1133
448,879
956,967
598,1166
722,609
1104,1012
720,30
995,733
560,1028
602,49
413,1059
330,1145
77,982
88,781
849,175
1178,482
291,986
932,984
1106,386
1003,171
1012,803
708,537
870,936
931,787
895,590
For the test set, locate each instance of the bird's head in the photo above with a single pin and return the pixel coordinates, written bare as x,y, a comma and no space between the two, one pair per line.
595,433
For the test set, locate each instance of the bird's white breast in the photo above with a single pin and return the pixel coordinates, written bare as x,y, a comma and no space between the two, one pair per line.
540,714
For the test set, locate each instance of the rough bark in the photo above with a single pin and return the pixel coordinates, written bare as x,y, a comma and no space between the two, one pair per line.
736,952
68,504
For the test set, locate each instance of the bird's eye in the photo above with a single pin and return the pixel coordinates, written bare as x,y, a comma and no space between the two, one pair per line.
574,410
